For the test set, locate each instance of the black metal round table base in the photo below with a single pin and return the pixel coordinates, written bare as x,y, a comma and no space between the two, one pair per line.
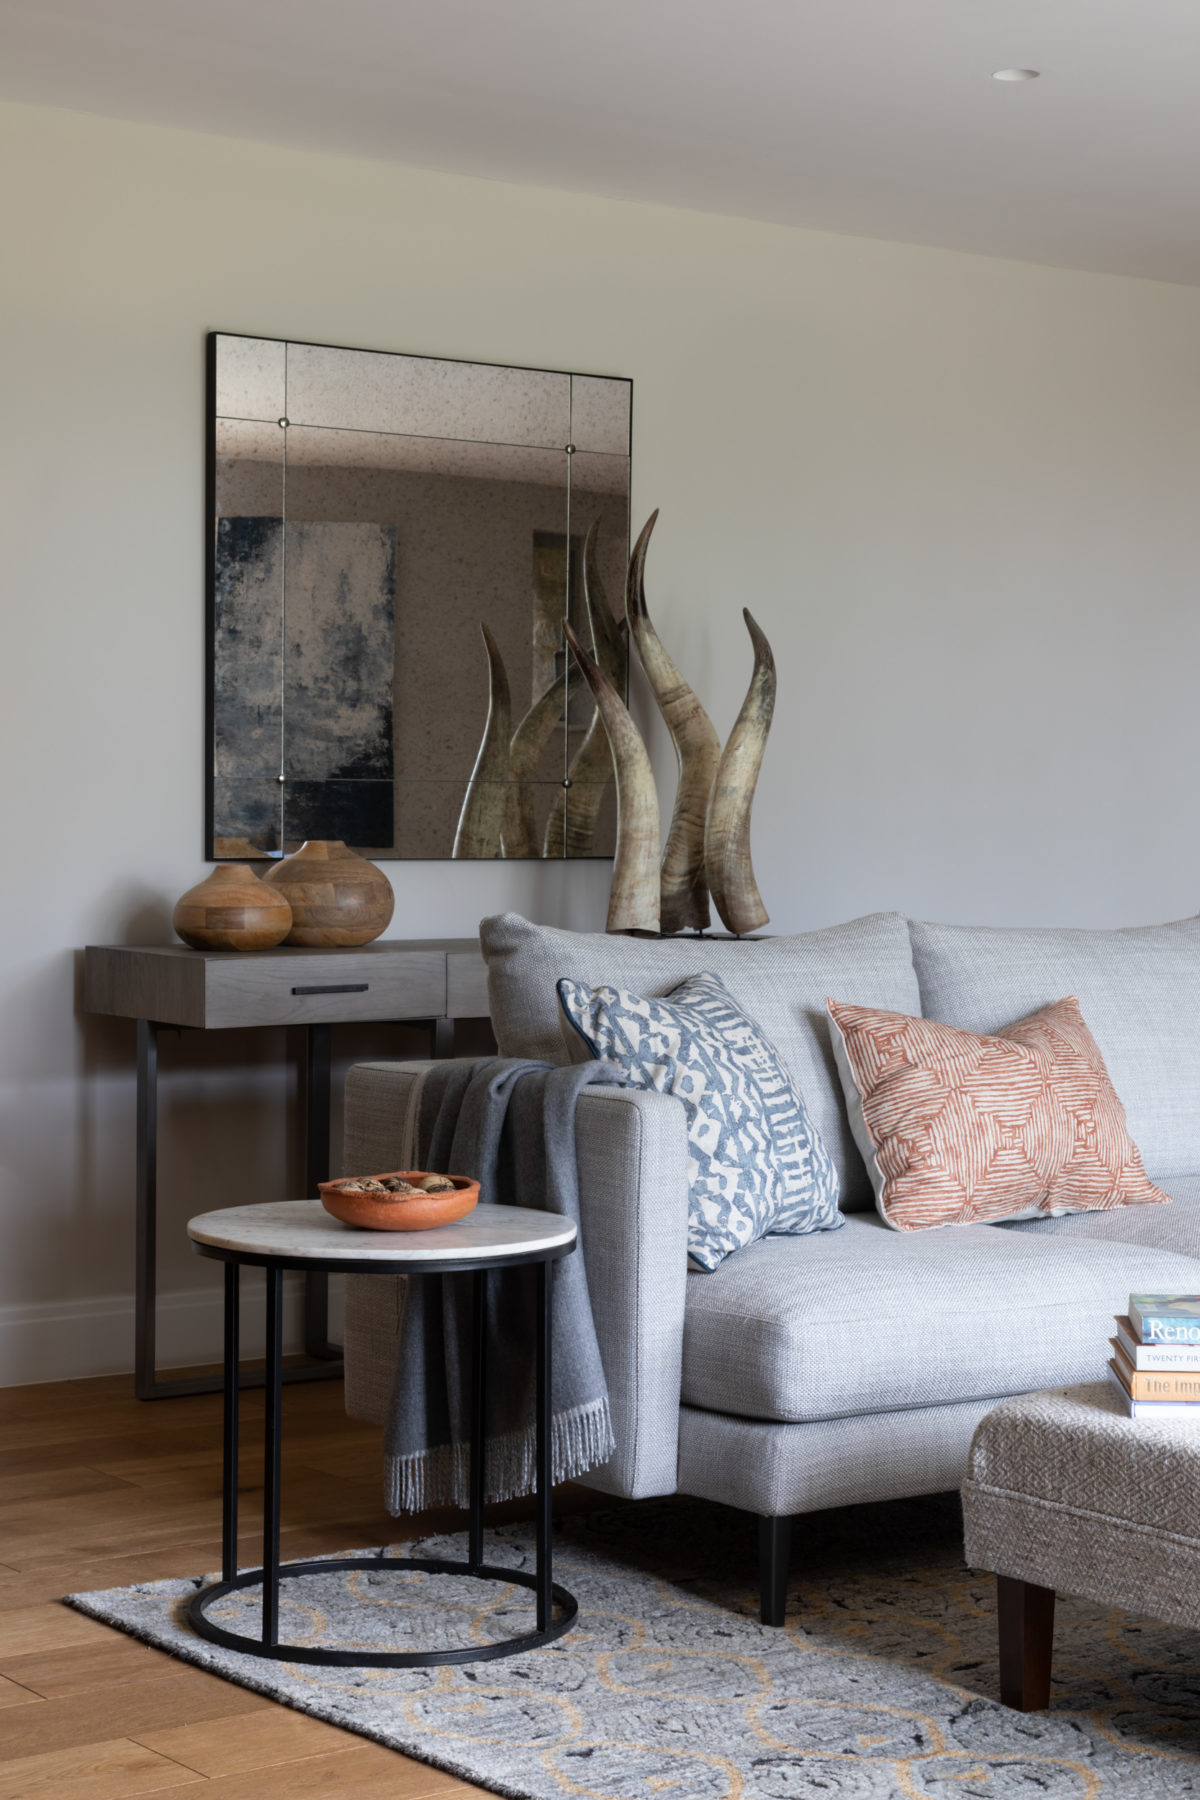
381,1659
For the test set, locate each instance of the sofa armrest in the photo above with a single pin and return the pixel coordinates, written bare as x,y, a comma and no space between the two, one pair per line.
632,1154
633,1199
379,1124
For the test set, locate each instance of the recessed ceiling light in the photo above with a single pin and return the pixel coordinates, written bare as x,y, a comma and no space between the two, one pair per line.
1015,74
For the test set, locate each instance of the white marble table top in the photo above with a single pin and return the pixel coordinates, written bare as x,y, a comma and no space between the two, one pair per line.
302,1228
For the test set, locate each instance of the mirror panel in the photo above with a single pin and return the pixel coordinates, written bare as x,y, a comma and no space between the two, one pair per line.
419,396
247,637
249,816
359,812
600,410
463,521
251,380
354,571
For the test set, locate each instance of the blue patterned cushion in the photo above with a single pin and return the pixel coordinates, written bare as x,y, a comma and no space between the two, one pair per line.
755,1161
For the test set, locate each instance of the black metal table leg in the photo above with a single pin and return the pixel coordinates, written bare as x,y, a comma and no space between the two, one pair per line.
229,1464
270,1577
545,1573
272,1459
318,1064
146,1256
478,1420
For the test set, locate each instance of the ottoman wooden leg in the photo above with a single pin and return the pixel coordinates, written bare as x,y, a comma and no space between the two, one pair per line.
1025,1613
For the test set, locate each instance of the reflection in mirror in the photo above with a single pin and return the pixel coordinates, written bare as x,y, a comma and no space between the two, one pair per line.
380,595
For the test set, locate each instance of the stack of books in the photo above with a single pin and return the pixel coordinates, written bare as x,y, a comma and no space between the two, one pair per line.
1156,1363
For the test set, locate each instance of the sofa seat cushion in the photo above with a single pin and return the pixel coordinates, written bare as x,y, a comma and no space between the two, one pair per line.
781,983
1138,988
1175,1227
870,1320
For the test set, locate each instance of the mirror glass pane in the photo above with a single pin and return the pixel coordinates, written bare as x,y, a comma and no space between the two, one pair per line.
421,396
394,557
600,414
247,638
251,378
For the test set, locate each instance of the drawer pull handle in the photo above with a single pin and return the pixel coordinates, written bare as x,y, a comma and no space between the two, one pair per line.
348,987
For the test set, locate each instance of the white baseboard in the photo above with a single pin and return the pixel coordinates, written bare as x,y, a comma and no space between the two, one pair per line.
68,1340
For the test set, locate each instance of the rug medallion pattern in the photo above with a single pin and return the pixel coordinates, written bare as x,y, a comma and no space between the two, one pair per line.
882,1686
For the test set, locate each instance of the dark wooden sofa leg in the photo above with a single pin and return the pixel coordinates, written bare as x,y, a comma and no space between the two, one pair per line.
1025,1614
774,1543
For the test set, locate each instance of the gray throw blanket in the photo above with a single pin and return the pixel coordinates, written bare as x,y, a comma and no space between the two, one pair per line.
510,1125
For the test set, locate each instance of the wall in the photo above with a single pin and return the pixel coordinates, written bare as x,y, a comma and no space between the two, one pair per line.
959,495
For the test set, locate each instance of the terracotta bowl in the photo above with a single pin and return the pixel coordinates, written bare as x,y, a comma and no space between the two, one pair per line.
399,1212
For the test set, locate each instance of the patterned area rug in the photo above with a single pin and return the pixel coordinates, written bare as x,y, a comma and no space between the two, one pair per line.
883,1684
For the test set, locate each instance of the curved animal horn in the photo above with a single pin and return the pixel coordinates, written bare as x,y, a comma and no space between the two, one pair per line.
697,752
529,741
481,822
727,836
571,827
605,630
633,896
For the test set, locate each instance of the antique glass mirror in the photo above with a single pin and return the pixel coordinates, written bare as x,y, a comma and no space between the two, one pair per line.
395,542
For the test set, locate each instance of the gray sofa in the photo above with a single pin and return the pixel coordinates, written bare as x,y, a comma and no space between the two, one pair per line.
851,1365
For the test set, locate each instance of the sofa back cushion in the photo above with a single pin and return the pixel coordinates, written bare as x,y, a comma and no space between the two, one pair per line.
1138,989
781,983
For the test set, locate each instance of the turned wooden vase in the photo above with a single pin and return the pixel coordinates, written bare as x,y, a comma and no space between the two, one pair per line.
231,909
336,897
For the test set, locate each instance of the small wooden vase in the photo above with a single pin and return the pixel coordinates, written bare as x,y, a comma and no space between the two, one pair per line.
231,909
336,897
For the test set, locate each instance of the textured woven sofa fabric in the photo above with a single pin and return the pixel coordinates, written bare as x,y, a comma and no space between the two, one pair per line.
962,1127
767,1467
867,1320
1139,990
756,1163
1063,1489
1175,1227
781,983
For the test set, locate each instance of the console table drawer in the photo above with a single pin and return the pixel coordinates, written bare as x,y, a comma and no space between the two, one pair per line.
325,990
213,990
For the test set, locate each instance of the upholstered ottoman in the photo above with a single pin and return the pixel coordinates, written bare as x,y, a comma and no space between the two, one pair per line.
1063,1490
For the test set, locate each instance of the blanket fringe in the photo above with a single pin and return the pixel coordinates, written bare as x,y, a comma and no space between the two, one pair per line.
440,1476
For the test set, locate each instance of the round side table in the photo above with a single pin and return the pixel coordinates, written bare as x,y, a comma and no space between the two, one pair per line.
300,1234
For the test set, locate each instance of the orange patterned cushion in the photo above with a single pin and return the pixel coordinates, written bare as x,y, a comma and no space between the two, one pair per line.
959,1129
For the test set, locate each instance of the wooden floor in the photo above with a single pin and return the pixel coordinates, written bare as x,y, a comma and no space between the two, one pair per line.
98,1489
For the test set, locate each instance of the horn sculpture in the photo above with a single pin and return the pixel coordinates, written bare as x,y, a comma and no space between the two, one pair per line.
481,822
697,752
633,898
609,634
571,828
727,834
529,741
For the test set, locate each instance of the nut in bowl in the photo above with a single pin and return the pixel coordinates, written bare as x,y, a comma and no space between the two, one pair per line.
400,1200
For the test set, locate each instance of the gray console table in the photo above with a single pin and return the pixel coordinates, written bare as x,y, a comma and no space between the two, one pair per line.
429,981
